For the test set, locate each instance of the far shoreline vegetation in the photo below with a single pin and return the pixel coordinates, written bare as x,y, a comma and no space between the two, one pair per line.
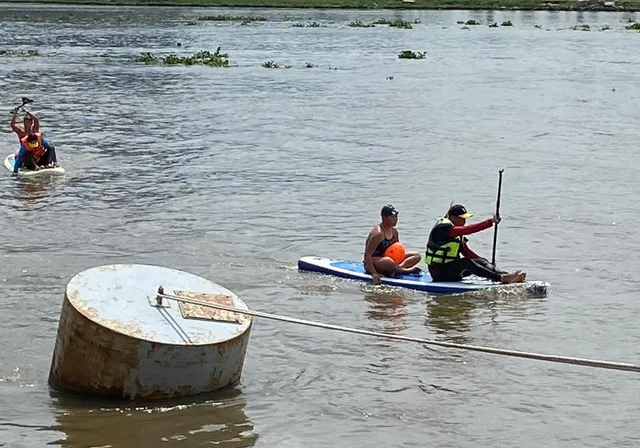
497,5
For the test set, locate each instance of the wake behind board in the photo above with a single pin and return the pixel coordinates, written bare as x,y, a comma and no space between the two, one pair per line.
9,162
355,270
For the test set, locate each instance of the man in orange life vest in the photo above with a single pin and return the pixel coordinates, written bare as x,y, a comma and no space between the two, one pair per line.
35,153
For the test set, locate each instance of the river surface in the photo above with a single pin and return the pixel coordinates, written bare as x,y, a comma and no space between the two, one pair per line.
233,174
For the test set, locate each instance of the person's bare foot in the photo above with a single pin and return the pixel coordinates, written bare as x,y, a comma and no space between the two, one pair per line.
414,271
508,278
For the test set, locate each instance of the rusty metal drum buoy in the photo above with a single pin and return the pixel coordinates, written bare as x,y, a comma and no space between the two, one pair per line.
117,337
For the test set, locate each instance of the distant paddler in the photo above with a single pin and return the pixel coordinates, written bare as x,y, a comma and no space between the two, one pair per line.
35,153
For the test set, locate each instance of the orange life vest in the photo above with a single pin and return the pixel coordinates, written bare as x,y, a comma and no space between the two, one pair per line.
36,152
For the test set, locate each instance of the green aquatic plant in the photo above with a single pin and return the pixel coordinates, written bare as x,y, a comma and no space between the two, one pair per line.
507,23
359,24
207,58
270,64
308,25
399,23
634,26
408,54
19,53
583,27
228,18
494,25
472,22
148,58
396,23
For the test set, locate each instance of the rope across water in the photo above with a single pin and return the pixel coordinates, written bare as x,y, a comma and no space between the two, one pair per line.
497,351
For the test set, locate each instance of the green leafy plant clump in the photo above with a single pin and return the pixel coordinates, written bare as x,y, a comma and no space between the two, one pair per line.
408,54
360,24
207,58
395,23
19,52
308,25
228,18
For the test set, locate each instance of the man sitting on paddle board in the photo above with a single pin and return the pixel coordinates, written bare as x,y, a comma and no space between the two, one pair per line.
447,242
35,153
380,238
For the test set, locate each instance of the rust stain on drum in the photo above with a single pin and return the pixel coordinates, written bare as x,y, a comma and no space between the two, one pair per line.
192,311
89,358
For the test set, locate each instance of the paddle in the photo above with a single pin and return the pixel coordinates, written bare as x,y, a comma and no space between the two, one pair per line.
25,101
495,230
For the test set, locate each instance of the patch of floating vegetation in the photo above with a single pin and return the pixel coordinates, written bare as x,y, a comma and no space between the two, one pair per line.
207,58
633,26
228,18
308,25
360,24
583,27
408,54
272,64
19,52
395,23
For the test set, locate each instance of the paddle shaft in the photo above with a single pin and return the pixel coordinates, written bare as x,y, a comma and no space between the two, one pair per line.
495,229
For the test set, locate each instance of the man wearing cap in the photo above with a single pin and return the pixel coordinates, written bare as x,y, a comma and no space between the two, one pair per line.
35,152
380,238
447,243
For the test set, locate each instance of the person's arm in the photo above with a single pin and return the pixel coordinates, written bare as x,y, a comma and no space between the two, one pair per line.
35,127
373,241
467,252
15,127
471,228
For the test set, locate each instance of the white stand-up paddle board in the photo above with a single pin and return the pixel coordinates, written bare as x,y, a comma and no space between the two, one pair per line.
355,270
9,162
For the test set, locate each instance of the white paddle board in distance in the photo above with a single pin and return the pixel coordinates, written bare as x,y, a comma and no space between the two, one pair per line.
9,162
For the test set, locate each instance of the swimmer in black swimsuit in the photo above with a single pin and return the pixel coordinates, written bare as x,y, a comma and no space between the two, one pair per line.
380,238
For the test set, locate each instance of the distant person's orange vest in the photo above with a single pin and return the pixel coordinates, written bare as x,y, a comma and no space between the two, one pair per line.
36,151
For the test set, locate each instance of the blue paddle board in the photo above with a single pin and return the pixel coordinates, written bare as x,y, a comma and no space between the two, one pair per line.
354,270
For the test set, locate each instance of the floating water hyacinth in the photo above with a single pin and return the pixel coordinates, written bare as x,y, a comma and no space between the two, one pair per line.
408,54
19,53
207,58
227,18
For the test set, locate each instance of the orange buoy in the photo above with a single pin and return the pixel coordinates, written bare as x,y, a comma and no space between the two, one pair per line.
396,252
